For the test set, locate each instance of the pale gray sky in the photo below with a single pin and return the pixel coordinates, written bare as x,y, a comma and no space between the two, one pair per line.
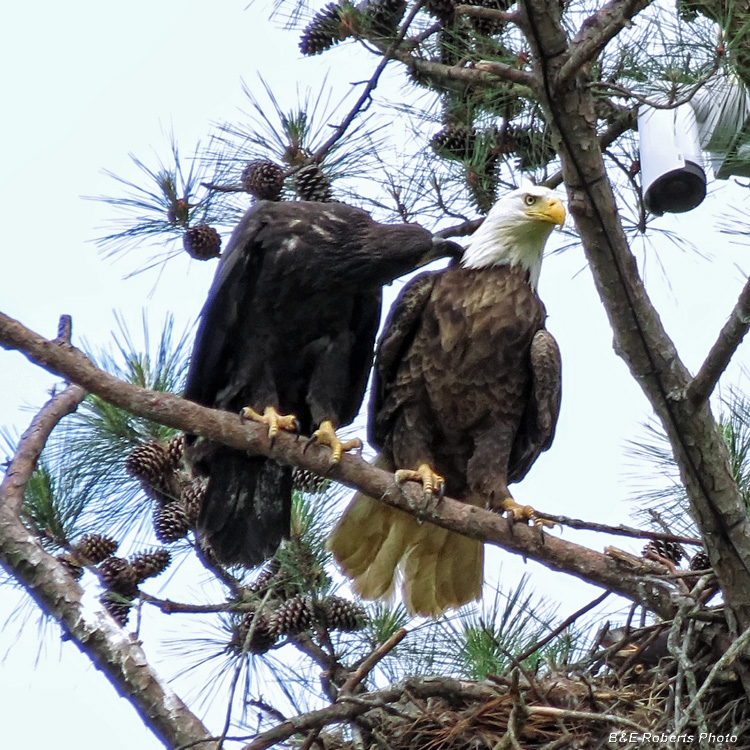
83,85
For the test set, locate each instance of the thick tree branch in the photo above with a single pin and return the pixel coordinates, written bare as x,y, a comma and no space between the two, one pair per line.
734,330
596,32
640,338
557,554
466,75
350,707
120,658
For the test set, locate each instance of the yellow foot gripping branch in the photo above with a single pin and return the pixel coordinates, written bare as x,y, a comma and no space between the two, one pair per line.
432,483
326,435
272,418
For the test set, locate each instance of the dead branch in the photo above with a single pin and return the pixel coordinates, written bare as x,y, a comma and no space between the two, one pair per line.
730,337
369,663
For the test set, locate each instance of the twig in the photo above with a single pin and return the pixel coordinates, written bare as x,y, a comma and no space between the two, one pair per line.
369,663
731,653
564,624
621,530
64,329
32,443
371,85
702,385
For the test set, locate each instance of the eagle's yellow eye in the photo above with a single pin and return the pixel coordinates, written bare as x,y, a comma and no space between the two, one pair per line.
530,200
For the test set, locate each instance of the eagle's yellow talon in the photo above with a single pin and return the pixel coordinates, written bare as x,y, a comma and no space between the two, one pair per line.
524,513
326,435
275,421
432,483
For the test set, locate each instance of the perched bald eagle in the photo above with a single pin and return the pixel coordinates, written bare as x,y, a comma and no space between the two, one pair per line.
287,335
466,394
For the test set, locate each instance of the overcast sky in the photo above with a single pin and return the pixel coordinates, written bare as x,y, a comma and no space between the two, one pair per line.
86,83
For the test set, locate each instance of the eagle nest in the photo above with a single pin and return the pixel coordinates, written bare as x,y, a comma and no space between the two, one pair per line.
625,696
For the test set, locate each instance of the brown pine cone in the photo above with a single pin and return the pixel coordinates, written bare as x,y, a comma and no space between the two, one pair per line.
93,548
263,179
202,242
150,564
118,575
262,638
170,522
342,614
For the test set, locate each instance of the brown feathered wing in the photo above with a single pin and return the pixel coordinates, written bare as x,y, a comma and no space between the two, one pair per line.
468,380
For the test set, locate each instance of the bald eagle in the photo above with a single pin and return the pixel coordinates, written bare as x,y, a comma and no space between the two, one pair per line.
466,396
287,336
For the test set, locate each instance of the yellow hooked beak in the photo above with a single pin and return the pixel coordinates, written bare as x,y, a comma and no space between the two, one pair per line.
548,209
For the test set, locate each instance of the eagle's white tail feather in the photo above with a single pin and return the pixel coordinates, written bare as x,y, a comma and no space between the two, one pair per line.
441,569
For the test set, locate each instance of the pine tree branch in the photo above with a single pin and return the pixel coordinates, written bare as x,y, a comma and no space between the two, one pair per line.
364,98
702,385
639,336
553,552
350,707
32,443
621,530
490,14
524,81
372,660
119,657
596,32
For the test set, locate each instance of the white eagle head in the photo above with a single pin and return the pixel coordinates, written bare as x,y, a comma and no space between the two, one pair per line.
515,231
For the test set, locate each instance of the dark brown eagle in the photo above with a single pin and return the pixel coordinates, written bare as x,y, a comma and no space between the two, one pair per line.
466,395
287,336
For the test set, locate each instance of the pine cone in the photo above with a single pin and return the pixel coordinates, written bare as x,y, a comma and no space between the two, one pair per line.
305,480
294,616
672,551
192,500
71,564
263,179
148,462
93,548
328,27
486,26
263,637
265,578
202,242
171,522
341,614
312,184
118,575
443,10
175,449
118,609
150,564
454,142
482,184
384,16
700,561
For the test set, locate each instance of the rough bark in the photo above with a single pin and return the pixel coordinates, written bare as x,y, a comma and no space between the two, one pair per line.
111,649
639,336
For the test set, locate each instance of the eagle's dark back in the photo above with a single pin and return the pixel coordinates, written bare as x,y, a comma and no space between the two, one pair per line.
290,322
455,386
